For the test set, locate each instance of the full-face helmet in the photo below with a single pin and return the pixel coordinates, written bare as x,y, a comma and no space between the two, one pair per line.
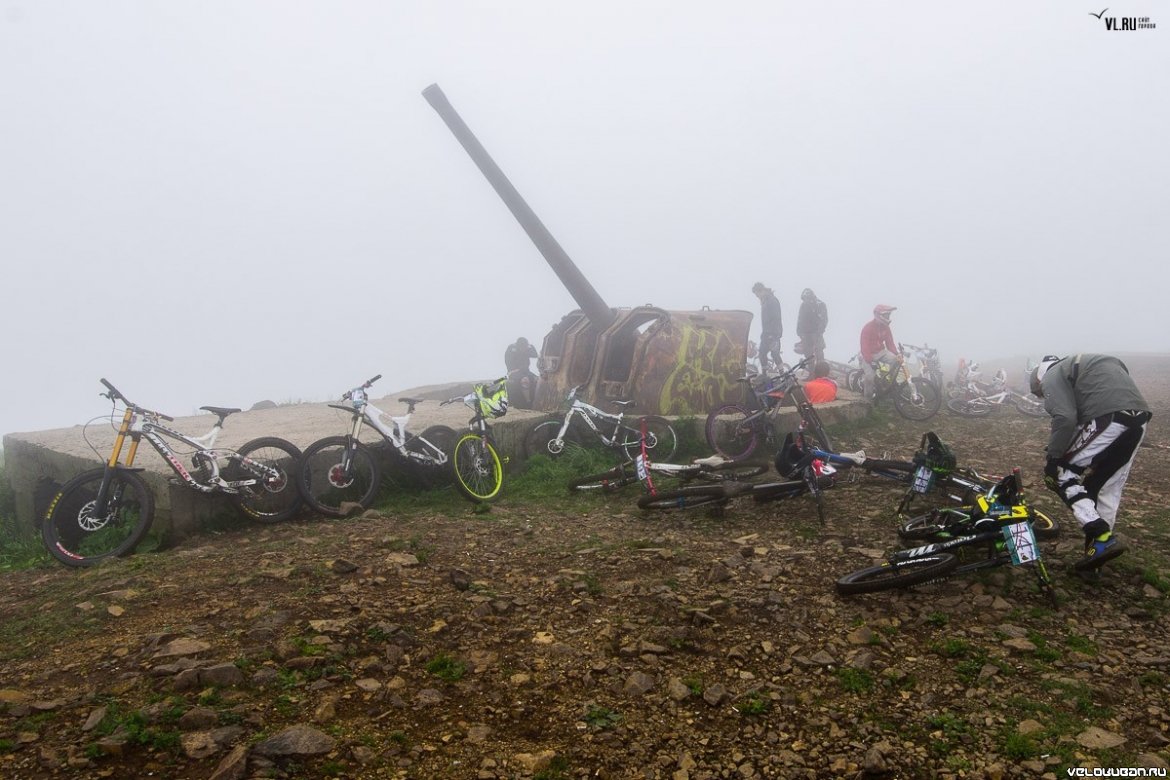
882,312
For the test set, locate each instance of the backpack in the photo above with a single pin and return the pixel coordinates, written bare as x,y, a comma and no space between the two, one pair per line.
935,455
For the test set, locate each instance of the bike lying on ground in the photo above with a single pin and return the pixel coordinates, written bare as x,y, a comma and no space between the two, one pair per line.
735,432
552,436
107,511
998,532
803,473
972,398
341,474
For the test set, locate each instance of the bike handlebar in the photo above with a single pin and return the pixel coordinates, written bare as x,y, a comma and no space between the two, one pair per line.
115,394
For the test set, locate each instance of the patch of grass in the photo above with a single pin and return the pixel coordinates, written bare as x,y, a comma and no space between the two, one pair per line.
7,746
602,718
1150,575
754,703
1017,746
135,728
854,680
938,619
1080,644
557,769
694,684
446,668
592,584
546,479
952,648
1043,651
398,738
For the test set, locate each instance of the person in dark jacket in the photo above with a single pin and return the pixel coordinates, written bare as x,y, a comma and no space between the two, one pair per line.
1098,420
811,321
521,381
771,328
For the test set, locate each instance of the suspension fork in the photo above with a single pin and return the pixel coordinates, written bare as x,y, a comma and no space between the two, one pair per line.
124,430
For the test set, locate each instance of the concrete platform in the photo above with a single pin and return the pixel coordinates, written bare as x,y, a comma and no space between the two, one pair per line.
38,463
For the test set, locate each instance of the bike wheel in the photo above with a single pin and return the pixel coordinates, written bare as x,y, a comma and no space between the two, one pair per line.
684,498
607,481
542,439
1032,408
968,408
927,404
853,380
75,536
661,440
338,475
733,473
272,499
903,574
479,473
730,433
932,525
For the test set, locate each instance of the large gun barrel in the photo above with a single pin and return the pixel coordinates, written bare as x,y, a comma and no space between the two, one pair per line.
587,298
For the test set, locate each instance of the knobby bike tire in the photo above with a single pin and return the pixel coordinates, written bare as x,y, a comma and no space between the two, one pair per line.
327,488
684,498
778,491
928,404
816,428
72,534
965,408
946,523
904,574
661,443
479,472
730,434
613,479
269,500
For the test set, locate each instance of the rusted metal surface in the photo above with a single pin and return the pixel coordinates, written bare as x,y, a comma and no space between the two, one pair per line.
666,361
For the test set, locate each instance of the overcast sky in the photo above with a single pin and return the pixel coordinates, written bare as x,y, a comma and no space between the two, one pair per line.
224,202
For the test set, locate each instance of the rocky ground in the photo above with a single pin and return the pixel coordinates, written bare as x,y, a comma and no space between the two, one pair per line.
580,637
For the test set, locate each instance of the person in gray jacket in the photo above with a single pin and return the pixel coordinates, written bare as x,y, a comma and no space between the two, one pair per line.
1098,420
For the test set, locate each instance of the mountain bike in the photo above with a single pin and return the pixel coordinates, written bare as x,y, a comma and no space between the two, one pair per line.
712,469
932,470
915,397
479,469
803,474
552,436
734,431
1001,533
972,398
925,362
341,474
106,512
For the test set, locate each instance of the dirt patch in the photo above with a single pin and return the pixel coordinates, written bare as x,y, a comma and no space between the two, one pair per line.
594,640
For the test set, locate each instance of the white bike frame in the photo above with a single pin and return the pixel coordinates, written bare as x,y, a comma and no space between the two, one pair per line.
364,411
588,412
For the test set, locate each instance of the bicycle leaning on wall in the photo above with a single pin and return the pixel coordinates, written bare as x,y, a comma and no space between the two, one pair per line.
107,511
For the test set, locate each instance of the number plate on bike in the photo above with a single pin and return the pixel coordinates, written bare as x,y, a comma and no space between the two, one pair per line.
1021,543
640,465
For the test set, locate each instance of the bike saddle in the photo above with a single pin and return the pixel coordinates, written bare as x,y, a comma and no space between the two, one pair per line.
411,402
622,403
221,411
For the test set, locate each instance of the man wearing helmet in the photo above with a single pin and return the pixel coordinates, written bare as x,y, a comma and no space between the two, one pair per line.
1098,420
771,328
811,322
877,346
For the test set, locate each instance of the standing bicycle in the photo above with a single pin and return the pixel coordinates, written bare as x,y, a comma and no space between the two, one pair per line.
735,432
551,437
107,511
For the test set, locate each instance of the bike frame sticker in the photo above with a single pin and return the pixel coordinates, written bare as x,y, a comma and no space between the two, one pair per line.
1021,543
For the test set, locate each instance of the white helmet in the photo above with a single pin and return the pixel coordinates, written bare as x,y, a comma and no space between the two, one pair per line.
1037,376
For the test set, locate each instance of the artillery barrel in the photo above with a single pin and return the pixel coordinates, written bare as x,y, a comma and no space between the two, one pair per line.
599,314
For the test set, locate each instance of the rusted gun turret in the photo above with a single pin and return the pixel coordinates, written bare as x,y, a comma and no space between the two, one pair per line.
668,362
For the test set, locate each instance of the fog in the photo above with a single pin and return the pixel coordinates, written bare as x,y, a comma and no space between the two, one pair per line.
224,202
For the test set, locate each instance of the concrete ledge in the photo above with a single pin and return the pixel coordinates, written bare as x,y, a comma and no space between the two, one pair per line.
38,463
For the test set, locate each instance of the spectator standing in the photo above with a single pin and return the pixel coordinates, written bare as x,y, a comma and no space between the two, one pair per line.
521,381
771,328
1098,421
811,321
877,346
